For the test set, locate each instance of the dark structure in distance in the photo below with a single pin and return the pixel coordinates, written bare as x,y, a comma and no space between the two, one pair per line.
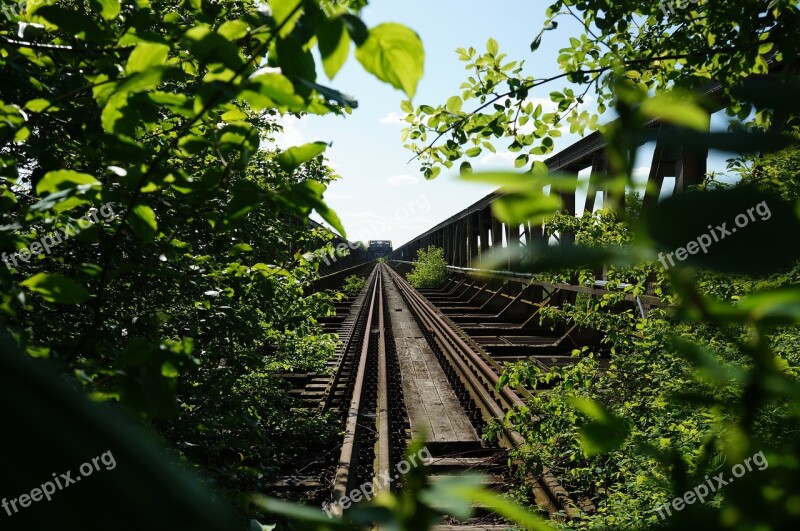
379,249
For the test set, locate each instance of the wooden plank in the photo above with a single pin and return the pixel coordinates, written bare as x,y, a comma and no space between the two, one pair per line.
432,405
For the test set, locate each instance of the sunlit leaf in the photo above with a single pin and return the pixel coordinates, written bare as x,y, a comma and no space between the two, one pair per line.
294,157
56,288
676,110
59,180
143,221
394,54
334,46
145,56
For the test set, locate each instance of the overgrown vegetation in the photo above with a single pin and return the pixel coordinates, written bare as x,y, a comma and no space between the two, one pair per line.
177,310
353,284
182,306
677,382
429,269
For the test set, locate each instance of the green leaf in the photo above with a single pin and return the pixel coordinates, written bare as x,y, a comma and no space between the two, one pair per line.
394,54
777,307
282,12
708,364
492,46
605,432
240,248
537,41
303,197
245,197
233,29
508,179
330,215
453,494
294,60
272,89
56,288
168,370
109,9
143,221
676,109
454,104
356,28
529,206
145,56
334,46
330,94
295,511
208,46
37,105
59,180
294,157
500,505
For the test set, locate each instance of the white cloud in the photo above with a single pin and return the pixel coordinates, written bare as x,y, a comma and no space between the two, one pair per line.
402,180
294,132
338,197
394,118
501,158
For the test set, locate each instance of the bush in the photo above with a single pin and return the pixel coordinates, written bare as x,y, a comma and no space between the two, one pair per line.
353,284
430,268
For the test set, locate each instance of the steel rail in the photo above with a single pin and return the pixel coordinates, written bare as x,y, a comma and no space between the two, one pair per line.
383,458
445,330
345,469
329,394
481,382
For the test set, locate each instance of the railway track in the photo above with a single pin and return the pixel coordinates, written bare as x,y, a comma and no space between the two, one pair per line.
408,369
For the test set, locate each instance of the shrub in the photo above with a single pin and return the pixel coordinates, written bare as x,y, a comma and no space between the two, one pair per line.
353,284
430,268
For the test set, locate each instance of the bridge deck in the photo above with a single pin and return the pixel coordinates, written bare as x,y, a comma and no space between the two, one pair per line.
433,409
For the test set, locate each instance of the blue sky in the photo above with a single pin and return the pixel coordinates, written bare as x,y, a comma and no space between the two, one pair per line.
381,195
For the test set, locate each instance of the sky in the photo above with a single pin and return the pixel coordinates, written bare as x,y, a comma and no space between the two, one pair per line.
382,196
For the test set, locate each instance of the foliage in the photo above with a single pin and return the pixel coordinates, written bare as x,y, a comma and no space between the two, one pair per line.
624,52
682,383
429,269
183,305
353,284
705,382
